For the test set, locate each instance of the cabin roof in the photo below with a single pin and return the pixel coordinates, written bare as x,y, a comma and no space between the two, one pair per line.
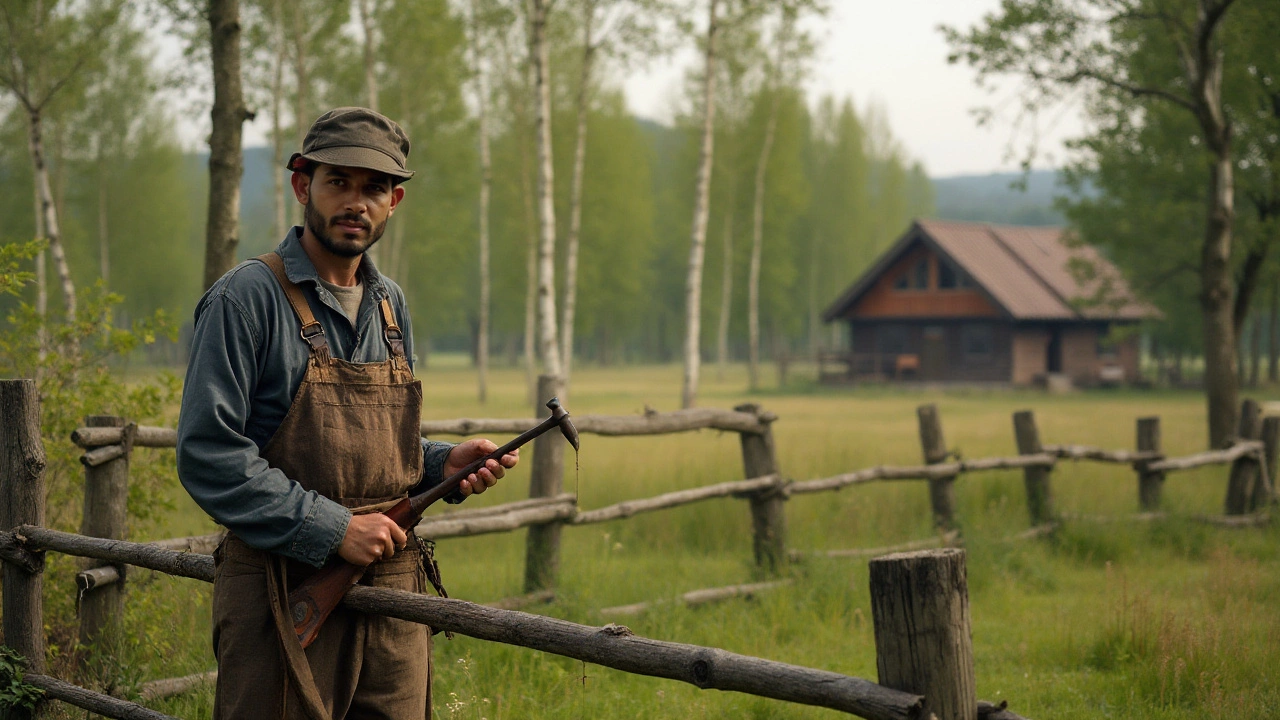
1032,273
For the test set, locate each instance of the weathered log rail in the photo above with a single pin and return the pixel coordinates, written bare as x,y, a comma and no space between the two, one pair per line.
611,646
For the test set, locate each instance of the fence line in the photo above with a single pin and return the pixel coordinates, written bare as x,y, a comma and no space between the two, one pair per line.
108,450
611,646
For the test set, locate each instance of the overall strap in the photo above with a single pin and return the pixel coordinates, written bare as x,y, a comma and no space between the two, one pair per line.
312,331
390,330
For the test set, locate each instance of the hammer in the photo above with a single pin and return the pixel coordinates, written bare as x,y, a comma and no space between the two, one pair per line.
312,601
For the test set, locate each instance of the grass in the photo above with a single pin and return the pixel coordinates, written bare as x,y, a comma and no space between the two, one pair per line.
1168,619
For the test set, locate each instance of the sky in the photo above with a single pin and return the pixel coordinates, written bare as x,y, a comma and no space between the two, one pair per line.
891,55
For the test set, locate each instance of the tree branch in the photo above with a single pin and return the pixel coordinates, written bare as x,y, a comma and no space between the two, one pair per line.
1134,90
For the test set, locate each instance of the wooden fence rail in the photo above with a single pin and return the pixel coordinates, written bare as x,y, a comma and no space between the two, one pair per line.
611,646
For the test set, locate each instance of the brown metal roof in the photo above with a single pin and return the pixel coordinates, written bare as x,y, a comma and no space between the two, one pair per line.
1033,273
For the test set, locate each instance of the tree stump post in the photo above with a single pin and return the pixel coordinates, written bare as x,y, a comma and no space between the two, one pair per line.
542,550
106,499
22,502
1150,484
1244,471
1039,495
1264,491
920,609
768,507
941,490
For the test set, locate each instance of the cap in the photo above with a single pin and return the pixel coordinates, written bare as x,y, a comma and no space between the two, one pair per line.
355,137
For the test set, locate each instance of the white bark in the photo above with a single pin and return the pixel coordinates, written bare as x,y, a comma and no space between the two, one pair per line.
548,340
726,297
277,137
370,61
486,181
757,244
48,212
702,203
575,201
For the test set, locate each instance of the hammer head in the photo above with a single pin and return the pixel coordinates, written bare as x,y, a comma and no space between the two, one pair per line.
566,425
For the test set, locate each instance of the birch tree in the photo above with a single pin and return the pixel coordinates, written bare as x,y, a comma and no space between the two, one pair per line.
621,30
701,210
539,54
45,47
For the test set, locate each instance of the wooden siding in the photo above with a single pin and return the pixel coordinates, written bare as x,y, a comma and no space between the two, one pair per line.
1030,354
959,365
883,301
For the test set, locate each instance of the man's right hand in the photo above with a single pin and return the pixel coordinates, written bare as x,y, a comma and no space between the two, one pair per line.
371,537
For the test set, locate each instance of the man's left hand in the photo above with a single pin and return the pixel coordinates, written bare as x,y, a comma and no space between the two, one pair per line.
468,452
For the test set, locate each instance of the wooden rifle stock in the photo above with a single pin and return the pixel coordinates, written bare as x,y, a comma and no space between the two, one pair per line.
312,601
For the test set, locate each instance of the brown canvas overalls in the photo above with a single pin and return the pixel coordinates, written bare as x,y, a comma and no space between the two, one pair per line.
352,435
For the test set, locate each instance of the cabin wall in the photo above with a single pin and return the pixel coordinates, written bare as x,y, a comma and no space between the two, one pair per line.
883,301
878,345
1030,354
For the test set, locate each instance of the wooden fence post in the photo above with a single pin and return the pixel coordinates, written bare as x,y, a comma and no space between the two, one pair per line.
920,609
941,490
1264,492
542,550
1244,471
22,491
106,500
1039,496
768,507
1150,484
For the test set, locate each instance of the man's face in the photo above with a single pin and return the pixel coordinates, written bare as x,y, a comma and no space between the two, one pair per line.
347,208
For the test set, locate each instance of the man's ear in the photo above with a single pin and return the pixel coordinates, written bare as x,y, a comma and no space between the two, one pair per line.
301,187
397,194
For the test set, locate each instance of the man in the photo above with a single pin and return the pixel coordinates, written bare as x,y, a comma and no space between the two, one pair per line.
299,422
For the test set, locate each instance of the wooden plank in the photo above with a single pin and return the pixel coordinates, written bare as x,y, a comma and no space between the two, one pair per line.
941,489
628,508
168,687
104,705
693,598
920,609
1211,457
22,498
106,500
546,479
947,540
146,436
447,526
650,423
1089,452
1036,479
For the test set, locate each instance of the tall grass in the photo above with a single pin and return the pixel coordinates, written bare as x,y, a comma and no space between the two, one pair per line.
1169,619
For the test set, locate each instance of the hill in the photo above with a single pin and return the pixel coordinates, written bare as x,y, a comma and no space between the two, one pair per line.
997,198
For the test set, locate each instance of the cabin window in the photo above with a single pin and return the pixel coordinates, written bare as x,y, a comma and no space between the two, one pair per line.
920,275
891,339
947,279
903,282
977,341
964,281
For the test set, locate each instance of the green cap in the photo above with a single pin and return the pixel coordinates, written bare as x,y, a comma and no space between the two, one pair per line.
355,137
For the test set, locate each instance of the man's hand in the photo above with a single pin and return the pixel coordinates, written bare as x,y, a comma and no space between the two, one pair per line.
468,452
371,537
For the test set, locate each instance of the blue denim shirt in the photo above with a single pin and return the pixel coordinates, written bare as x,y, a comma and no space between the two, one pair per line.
247,361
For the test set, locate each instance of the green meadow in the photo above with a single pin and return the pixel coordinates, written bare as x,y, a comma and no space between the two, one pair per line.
1169,619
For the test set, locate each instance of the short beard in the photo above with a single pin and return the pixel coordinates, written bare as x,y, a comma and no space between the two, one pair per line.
341,246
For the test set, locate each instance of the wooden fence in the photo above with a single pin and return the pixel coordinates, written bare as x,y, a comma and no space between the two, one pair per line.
108,443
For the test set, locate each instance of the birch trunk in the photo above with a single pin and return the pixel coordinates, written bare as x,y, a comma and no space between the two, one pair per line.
371,97
531,276
104,246
548,340
226,162
302,116
726,297
757,245
48,211
702,203
575,198
814,337
486,182
277,136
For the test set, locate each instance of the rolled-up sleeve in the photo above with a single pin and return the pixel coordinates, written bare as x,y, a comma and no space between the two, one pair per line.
220,466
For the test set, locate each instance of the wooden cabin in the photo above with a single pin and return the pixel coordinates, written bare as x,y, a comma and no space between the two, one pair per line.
976,303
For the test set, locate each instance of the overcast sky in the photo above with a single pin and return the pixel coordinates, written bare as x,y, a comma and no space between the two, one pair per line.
891,54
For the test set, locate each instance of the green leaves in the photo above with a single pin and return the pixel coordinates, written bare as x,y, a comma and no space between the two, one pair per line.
15,695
